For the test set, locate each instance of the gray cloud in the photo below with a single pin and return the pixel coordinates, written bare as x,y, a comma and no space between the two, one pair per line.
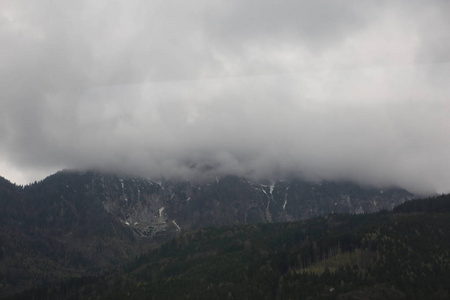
323,89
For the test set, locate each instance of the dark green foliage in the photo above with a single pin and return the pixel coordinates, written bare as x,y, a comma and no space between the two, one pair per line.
384,256
49,232
75,224
399,255
435,205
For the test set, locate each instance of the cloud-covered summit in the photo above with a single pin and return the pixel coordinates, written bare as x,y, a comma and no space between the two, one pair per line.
320,89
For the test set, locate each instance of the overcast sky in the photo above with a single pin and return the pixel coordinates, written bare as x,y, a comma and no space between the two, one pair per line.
356,90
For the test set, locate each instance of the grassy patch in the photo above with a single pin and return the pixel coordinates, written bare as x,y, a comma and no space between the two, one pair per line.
360,258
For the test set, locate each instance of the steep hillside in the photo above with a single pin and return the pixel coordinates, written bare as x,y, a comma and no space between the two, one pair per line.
149,207
81,223
375,256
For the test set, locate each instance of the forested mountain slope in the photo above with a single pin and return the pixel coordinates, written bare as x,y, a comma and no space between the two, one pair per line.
387,255
87,223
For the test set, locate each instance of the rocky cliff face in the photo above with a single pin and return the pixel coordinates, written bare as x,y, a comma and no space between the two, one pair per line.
80,223
148,208
145,208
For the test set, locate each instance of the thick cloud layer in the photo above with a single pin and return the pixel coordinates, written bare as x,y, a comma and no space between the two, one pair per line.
319,89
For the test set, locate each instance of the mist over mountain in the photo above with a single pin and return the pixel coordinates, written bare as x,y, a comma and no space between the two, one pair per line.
169,117
323,91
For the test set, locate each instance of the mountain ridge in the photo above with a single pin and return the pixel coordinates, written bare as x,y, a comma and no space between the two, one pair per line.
79,223
402,254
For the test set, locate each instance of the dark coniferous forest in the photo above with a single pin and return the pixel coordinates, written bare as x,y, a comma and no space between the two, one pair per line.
224,149
399,254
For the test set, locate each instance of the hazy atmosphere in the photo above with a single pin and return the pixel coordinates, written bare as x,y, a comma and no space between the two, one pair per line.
354,90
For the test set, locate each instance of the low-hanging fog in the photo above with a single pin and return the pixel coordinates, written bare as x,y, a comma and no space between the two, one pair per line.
351,90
